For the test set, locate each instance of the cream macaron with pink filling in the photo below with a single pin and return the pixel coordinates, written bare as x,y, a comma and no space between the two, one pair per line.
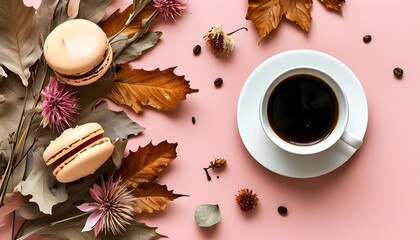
78,51
78,152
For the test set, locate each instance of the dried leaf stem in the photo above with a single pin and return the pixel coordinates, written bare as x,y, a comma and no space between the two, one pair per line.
20,136
242,28
51,224
139,34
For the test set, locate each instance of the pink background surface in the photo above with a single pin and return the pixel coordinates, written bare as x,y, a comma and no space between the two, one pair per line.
375,195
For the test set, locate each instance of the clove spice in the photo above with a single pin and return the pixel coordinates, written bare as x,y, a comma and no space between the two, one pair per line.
218,163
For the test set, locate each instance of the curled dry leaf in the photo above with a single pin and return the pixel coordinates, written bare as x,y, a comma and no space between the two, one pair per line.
12,201
333,4
152,197
146,163
73,8
136,88
117,20
267,14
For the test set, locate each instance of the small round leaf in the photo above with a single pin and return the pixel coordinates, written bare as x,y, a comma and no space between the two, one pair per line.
207,215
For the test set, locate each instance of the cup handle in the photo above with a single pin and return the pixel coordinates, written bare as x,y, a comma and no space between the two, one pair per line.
351,140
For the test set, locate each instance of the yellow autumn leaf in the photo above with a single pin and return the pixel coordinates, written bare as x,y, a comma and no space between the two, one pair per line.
136,88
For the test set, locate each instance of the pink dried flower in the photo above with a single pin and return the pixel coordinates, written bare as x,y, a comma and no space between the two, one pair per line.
113,209
59,106
171,8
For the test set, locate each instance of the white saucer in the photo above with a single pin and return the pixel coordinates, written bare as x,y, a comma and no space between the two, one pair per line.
273,157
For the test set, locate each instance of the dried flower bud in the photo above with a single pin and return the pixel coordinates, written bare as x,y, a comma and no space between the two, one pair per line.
246,199
218,163
220,43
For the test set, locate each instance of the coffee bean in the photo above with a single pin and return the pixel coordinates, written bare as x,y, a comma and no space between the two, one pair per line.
367,39
197,49
282,210
193,120
218,82
398,72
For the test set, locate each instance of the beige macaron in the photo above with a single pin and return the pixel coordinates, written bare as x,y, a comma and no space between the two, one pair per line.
78,152
78,51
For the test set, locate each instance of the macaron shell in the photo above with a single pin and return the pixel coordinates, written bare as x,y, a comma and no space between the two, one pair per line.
92,77
70,139
75,46
86,162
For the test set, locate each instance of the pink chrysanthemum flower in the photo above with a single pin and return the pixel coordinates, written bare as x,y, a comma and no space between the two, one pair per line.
171,8
59,106
113,209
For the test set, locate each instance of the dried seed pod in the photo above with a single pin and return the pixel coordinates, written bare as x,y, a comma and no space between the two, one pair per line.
218,163
246,199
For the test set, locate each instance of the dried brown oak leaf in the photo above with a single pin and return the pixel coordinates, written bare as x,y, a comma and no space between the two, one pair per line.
267,14
146,163
136,88
114,23
152,197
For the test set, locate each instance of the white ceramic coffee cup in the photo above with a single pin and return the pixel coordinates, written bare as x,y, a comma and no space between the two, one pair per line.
338,133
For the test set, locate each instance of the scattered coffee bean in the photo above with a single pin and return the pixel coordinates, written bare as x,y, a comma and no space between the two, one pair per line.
218,82
197,49
367,39
282,210
217,177
398,72
193,120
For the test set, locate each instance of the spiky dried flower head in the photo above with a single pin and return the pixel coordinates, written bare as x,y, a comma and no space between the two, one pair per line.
59,105
171,8
218,163
113,210
246,199
220,43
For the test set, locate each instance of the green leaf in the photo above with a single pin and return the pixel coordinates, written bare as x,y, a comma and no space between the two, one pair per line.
19,38
117,125
93,10
118,154
136,49
42,185
65,230
44,16
207,215
136,231
59,12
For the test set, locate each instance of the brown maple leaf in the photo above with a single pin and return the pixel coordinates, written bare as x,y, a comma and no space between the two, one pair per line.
136,88
267,14
146,163
152,197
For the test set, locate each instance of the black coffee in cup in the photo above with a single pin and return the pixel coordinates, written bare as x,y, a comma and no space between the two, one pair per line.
302,110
